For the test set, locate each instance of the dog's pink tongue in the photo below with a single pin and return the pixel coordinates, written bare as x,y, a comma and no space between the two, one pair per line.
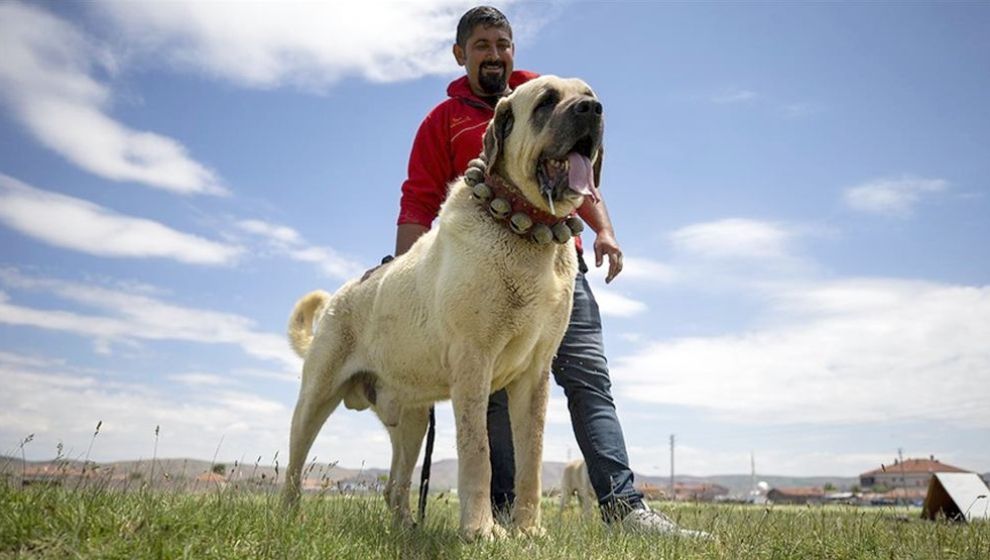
581,177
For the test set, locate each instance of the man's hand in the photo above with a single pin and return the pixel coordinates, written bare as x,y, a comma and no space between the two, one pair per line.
385,260
605,244
596,216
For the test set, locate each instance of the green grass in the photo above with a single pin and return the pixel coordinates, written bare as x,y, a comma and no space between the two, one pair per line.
87,522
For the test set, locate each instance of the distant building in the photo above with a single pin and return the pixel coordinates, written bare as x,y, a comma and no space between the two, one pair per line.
912,473
652,491
684,491
703,492
796,495
912,495
211,479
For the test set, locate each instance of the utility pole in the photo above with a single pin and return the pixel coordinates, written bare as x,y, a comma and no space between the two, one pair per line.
673,495
900,457
752,471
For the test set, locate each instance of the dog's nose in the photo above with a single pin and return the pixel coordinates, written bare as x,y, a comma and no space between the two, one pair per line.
587,107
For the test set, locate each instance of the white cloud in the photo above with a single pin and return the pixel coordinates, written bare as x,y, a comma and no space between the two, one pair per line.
200,379
835,352
892,197
129,317
615,304
64,407
638,269
47,80
20,360
310,45
733,95
733,238
281,234
287,242
612,300
329,261
79,225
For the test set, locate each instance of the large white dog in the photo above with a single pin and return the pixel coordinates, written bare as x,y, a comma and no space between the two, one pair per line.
479,303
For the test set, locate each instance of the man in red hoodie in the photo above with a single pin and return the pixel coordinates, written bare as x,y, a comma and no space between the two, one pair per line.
451,136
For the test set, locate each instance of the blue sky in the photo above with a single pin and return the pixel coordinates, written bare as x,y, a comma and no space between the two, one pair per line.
801,191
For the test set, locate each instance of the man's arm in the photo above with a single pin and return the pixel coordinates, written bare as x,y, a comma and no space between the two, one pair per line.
596,216
425,188
406,235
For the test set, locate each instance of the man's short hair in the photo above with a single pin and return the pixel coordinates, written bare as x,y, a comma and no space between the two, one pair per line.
481,15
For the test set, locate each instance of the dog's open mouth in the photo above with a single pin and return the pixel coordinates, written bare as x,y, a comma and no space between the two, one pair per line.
572,172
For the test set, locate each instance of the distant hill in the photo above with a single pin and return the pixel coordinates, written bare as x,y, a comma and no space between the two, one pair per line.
740,484
443,474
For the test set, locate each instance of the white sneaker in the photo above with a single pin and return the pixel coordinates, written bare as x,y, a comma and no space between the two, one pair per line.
648,521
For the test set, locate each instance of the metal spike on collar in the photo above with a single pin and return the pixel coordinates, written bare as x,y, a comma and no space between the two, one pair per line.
500,208
575,224
541,234
473,176
520,223
481,192
561,232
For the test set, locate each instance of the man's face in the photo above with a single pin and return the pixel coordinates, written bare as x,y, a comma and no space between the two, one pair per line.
487,58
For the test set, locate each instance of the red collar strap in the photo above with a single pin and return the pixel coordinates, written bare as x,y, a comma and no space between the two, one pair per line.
503,202
503,189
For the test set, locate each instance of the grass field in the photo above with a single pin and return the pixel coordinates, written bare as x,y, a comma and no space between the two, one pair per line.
86,522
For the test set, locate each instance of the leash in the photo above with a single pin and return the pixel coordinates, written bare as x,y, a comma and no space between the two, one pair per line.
424,480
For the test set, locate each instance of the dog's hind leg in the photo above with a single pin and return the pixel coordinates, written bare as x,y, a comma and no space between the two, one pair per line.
319,395
407,438
527,409
311,413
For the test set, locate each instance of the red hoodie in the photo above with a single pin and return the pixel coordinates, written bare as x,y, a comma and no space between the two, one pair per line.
448,139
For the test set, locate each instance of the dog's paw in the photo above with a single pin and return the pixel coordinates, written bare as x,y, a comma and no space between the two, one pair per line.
488,532
402,520
530,532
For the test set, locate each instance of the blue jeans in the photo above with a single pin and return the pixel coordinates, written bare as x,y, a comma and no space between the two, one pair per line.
581,369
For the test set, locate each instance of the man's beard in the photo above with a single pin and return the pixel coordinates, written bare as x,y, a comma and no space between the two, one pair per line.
492,83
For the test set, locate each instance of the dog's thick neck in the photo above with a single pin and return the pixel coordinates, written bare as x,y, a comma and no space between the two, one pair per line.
507,206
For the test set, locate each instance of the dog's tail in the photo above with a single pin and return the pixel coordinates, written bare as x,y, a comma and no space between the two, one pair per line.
301,322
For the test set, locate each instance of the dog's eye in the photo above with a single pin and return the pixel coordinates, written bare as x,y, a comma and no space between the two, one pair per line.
548,100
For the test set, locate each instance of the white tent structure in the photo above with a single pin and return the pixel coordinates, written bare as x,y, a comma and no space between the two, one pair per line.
957,496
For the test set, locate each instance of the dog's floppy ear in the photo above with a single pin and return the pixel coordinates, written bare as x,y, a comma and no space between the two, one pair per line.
496,133
597,167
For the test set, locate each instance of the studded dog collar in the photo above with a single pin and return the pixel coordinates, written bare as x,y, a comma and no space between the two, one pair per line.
503,202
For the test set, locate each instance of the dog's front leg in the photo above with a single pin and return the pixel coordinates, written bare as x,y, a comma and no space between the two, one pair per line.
469,397
407,438
527,411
